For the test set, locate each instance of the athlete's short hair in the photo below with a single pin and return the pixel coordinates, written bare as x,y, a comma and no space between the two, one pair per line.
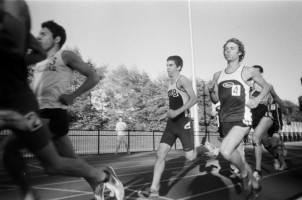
259,67
177,60
56,30
240,46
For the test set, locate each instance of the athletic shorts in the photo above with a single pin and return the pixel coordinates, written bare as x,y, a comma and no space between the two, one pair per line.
225,127
179,128
25,103
257,114
274,112
58,121
276,115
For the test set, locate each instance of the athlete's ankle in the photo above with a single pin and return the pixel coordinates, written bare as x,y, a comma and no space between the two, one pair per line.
154,188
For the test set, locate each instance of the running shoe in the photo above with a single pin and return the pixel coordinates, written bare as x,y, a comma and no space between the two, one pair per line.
250,183
276,164
236,172
282,167
149,192
212,148
257,174
114,184
99,192
31,195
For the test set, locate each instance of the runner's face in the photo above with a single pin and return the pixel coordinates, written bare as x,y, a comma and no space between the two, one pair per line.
171,68
231,51
46,39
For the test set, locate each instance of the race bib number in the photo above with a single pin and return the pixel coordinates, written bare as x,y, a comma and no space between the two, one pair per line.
236,90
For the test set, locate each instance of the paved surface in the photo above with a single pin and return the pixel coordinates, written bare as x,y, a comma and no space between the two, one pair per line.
206,178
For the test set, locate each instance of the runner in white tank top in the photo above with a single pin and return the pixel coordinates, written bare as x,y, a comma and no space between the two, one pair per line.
232,91
51,79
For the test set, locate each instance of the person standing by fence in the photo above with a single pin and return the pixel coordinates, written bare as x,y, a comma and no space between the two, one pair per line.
120,128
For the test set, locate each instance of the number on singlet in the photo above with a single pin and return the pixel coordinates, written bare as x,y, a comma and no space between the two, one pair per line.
236,90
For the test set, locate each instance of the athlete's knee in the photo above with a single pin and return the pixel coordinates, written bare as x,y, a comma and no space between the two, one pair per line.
160,155
275,142
256,144
225,153
255,140
275,145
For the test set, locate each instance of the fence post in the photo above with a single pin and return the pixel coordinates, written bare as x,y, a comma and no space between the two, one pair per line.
153,140
98,141
128,141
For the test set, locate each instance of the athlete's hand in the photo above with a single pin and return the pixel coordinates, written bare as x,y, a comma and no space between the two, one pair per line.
252,103
163,117
172,113
66,99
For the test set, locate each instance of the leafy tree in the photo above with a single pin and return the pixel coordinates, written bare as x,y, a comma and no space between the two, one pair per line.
83,114
294,111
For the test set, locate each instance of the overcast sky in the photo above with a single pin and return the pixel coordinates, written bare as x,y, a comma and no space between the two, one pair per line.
143,34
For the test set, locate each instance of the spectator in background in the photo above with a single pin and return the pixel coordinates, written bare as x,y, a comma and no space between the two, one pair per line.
120,128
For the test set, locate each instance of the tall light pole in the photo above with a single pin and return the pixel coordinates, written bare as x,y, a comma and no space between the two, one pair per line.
194,109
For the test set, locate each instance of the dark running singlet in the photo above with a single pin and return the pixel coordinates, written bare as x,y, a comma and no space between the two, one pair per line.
180,126
233,93
177,98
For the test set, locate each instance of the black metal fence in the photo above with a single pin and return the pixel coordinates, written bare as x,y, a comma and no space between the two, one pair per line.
105,141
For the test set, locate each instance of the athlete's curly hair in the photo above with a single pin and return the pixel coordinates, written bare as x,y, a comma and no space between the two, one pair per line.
240,46
56,30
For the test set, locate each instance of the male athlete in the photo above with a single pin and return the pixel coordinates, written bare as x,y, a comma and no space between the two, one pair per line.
231,87
16,96
267,122
181,98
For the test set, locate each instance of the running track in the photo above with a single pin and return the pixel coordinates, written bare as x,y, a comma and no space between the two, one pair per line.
207,178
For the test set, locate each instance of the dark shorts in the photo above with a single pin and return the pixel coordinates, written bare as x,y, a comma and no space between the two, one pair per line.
26,103
181,128
225,127
274,113
58,120
257,114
